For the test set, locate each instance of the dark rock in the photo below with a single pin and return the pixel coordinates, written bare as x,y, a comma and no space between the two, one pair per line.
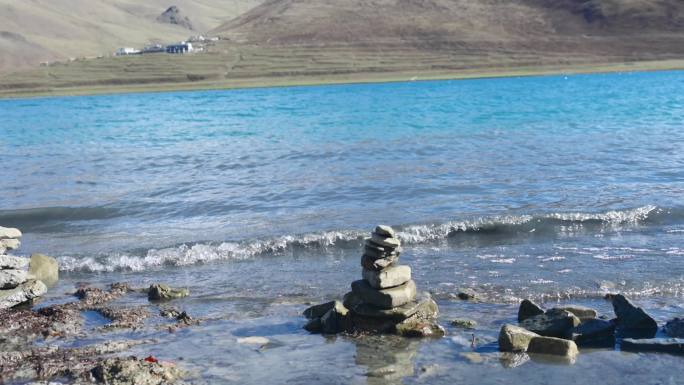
553,346
160,292
630,317
528,309
514,338
467,295
174,16
335,320
663,345
464,323
553,323
314,326
675,328
595,333
317,311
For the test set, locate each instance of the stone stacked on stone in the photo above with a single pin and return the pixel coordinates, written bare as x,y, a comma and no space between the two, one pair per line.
383,301
17,284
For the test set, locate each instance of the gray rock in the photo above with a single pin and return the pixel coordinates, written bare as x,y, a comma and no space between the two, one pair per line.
12,262
314,325
317,311
390,277
528,309
553,346
464,323
663,345
418,328
425,307
160,292
370,263
44,268
9,233
385,231
9,279
631,317
675,328
385,298
514,338
581,312
595,333
553,323
386,242
467,295
334,320
10,244
26,292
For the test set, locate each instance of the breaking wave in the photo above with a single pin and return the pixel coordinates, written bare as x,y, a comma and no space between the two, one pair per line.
188,254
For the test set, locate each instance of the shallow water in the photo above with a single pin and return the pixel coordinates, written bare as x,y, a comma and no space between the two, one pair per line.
557,188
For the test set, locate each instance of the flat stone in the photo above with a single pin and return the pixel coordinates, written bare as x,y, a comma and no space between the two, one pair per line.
514,338
581,312
390,277
385,298
10,244
386,242
160,292
9,233
595,333
425,307
528,309
379,252
663,345
632,317
318,311
553,323
12,262
675,328
26,292
553,346
385,231
9,279
370,263
44,268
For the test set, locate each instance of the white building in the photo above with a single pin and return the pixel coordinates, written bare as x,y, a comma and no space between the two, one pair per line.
126,51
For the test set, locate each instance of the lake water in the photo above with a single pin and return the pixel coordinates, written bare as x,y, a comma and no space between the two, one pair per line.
556,188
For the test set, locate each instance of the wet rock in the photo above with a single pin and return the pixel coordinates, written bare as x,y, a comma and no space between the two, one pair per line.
385,231
662,345
675,328
389,277
386,298
467,295
464,323
418,328
12,262
595,333
425,306
514,338
124,318
317,311
335,320
528,309
581,312
513,359
9,233
161,292
553,323
11,278
44,268
314,325
25,292
553,346
131,371
632,318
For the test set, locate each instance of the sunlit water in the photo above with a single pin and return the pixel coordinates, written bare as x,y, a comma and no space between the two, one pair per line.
557,188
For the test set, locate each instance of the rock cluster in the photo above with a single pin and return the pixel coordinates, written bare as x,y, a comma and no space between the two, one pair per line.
17,284
383,301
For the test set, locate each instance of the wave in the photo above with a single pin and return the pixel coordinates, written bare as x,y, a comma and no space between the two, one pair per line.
49,218
203,252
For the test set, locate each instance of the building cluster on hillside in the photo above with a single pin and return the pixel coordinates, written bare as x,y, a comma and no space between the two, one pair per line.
192,44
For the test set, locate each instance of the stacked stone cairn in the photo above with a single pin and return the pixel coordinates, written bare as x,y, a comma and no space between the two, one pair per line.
22,279
383,301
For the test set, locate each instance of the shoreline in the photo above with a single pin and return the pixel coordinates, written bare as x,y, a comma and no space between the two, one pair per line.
355,78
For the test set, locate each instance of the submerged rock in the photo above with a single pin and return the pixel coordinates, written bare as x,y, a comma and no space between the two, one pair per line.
161,292
631,318
553,346
464,323
595,333
528,309
23,293
553,323
675,328
467,295
514,338
417,328
662,345
44,268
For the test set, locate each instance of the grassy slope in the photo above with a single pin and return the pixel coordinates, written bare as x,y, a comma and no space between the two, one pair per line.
286,42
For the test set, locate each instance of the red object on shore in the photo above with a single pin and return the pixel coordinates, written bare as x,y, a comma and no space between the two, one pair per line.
151,359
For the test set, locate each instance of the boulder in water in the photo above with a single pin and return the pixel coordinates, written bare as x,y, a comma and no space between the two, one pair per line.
161,292
553,346
553,323
514,338
631,318
528,309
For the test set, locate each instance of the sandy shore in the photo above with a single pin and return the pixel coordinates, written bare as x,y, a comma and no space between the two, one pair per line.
7,91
